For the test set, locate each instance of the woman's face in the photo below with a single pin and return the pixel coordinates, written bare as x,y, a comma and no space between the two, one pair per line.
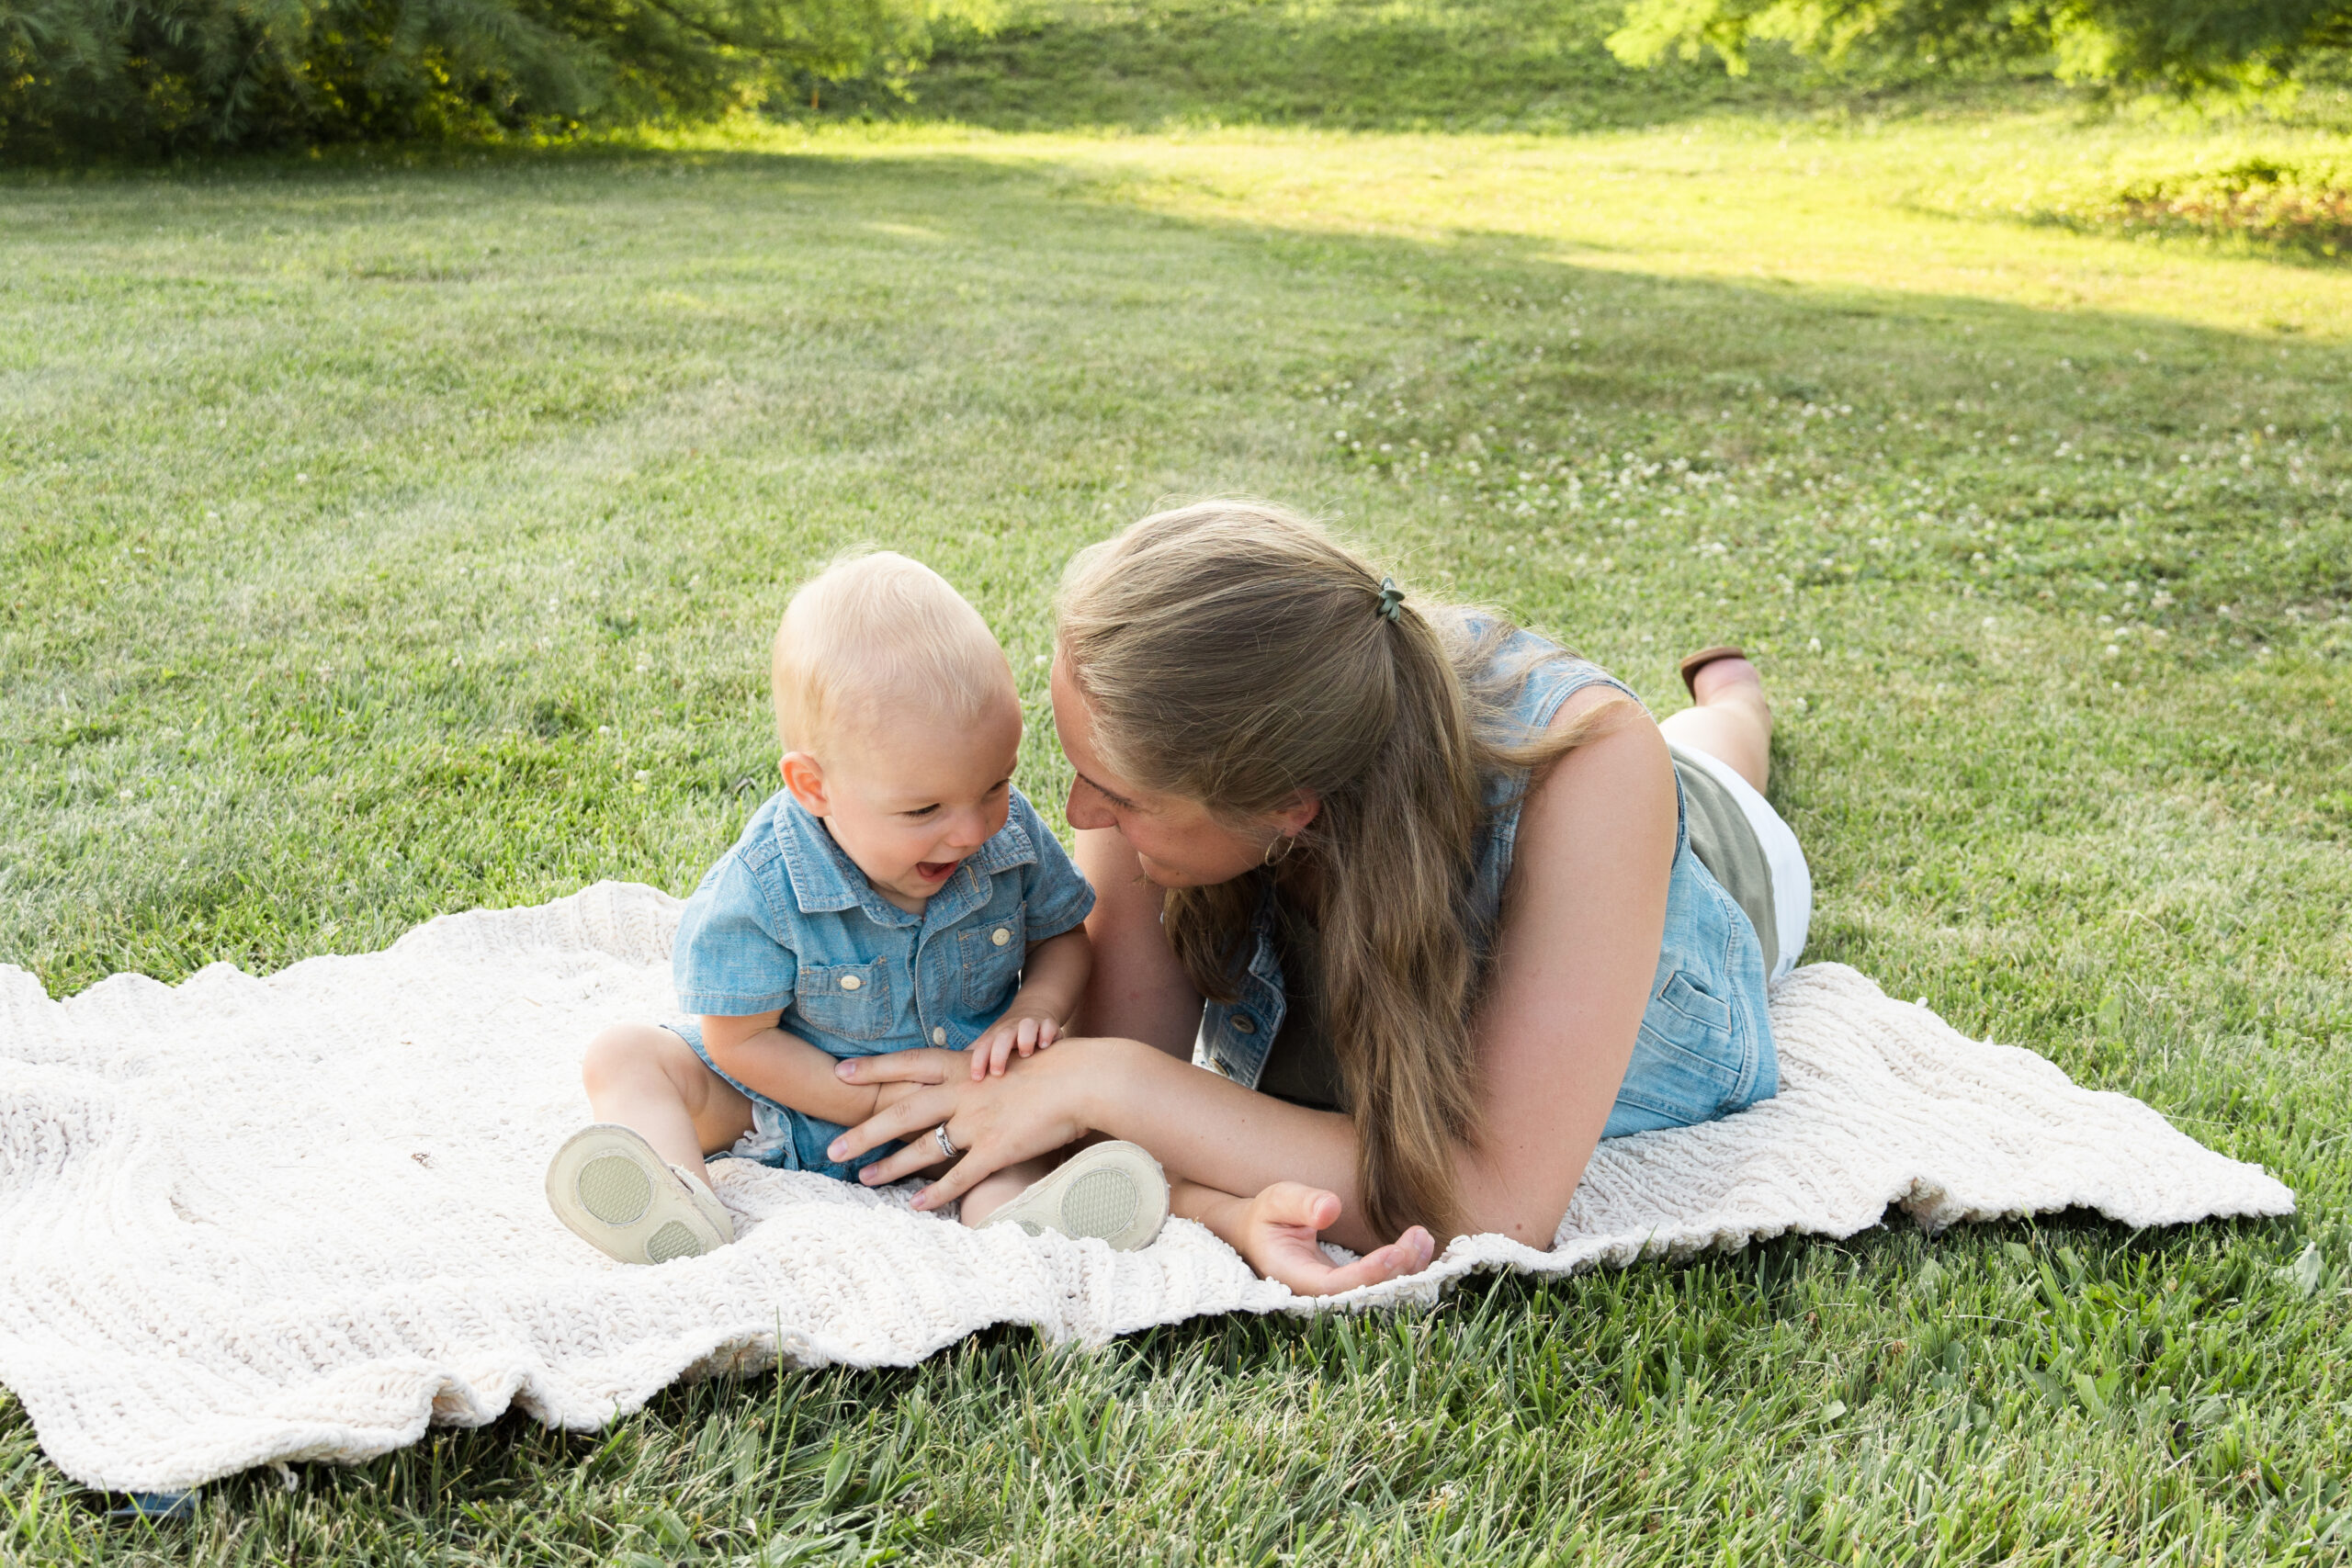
1175,838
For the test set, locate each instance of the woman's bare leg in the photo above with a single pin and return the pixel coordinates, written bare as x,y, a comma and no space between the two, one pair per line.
1730,722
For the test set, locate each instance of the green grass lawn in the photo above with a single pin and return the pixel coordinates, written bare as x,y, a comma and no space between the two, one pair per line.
391,536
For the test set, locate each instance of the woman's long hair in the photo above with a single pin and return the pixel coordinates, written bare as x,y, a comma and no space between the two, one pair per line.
1237,654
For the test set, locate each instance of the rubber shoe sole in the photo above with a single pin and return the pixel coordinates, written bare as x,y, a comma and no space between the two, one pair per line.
607,1184
1115,1192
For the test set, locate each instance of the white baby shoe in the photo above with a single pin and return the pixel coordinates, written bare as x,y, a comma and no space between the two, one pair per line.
1114,1191
620,1197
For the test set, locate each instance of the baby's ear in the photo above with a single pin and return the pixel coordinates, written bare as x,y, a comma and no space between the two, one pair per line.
805,777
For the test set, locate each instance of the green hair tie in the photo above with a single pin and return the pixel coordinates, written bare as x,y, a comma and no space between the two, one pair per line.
1391,596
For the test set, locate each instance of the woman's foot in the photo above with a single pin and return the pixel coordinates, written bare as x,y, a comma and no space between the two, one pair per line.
617,1194
1728,719
1113,1191
1694,662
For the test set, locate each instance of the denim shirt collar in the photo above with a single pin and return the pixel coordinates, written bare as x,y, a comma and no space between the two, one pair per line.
824,879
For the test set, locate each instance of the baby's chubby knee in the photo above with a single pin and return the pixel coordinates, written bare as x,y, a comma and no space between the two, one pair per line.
625,1051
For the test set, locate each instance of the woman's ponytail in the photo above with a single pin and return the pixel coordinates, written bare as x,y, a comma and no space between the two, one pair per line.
1237,654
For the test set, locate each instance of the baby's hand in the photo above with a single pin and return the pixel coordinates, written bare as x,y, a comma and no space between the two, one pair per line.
991,1051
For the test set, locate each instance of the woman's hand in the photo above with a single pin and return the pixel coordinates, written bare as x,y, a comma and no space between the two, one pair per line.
1277,1233
910,1071
1033,1109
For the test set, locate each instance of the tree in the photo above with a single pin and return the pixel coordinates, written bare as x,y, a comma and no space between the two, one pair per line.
166,76
2187,48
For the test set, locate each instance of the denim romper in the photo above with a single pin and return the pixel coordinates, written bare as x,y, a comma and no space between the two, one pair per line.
1705,1045
787,923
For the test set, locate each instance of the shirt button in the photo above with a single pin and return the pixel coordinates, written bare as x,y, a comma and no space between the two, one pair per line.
939,1036
1000,936
851,982
1244,1026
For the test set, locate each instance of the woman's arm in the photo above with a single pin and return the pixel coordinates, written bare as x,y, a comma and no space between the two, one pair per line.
1138,991
1594,853
1589,884
1201,1126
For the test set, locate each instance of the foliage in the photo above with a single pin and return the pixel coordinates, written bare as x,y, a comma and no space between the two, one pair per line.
2185,48
2249,189
167,76
2297,207
1358,64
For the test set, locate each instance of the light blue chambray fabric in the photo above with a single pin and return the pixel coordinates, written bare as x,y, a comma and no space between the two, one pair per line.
1705,1045
787,923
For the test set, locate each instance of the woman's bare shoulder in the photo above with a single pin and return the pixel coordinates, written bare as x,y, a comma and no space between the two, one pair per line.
1590,698
1618,784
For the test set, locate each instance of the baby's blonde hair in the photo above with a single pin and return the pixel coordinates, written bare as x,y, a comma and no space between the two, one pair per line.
874,632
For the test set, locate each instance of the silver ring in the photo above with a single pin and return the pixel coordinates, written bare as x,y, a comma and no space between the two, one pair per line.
947,1148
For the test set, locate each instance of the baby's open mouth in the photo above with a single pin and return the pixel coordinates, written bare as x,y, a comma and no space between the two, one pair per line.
933,869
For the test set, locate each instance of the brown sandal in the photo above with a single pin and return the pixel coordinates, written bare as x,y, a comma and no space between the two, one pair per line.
1692,663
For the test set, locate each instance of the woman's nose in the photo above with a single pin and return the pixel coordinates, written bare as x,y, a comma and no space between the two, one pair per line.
1084,811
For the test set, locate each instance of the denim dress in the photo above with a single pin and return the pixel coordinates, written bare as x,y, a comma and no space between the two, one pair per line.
1705,1045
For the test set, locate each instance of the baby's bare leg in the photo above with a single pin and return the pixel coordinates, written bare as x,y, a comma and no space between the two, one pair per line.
650,1081
993,1192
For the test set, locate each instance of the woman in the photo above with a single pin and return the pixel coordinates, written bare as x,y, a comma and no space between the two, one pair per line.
1439,903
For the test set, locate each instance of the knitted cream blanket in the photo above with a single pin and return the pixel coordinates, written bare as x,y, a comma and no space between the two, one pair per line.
301,1218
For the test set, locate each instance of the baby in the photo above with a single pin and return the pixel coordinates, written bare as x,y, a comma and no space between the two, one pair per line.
897,893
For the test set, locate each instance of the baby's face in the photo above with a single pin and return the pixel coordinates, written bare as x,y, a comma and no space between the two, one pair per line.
909,803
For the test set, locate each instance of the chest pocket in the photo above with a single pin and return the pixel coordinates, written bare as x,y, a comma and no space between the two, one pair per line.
852,1000
991,954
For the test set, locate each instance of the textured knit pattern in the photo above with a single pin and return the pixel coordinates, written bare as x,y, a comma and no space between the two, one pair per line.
301,1218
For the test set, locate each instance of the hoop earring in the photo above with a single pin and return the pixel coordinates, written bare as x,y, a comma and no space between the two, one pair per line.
1279,850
